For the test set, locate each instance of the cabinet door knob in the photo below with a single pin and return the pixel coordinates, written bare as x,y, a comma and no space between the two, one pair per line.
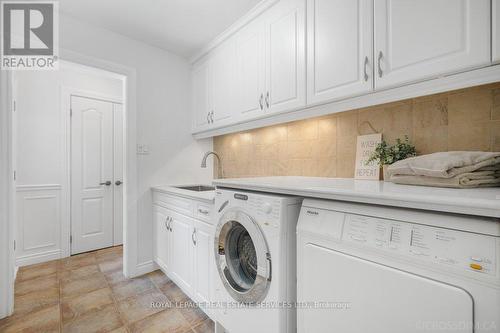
380,56
118,182
107,183
261,101
212,116
208,117
267,99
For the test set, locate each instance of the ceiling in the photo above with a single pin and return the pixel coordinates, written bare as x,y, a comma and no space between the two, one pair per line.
180,26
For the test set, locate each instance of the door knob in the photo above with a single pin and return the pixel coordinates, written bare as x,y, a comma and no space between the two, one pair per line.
108,183
118,182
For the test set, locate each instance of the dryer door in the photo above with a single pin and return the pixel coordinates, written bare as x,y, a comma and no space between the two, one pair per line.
242,257
363,296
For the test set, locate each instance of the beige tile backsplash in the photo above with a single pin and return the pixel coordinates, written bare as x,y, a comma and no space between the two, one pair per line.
467,119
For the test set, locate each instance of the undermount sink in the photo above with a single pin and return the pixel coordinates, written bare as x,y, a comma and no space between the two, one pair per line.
196,188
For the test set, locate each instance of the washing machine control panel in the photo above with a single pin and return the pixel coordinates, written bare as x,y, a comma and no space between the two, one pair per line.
264,206
462,250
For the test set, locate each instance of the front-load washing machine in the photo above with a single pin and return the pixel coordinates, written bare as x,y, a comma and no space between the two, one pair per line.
255,256
365,268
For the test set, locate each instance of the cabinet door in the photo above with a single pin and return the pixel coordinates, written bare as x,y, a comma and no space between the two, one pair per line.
496,30
222,79
340,49
201,94
286,61
416,40
182,255
162,239
203,261
250,69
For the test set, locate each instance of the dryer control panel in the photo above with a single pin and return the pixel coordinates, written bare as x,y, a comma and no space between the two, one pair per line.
463,250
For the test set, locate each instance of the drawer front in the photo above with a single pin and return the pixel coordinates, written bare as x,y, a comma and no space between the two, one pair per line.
204,212
178,204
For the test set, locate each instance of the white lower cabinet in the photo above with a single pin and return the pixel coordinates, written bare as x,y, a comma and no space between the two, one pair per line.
162,238
184,244
203,261
182,250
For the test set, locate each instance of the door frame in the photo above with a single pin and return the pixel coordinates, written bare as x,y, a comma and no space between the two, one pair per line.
66,189
7,195
129,104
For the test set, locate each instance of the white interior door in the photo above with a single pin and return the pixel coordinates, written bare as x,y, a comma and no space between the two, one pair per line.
415,40
118,163
91,174
386,299
340,48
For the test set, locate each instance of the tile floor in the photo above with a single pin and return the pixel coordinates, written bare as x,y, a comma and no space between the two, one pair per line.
88,293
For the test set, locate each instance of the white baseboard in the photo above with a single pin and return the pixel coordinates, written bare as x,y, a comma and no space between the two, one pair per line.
146,267
38,258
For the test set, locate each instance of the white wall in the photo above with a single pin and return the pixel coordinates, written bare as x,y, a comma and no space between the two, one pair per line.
39,130
6,201
42,157
163,117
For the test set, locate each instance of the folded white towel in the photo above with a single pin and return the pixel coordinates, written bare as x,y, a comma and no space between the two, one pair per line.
445,164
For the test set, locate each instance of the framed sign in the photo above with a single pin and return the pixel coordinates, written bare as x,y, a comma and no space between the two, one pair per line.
365,147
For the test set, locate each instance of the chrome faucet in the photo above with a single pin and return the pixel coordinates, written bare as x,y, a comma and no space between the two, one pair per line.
220,170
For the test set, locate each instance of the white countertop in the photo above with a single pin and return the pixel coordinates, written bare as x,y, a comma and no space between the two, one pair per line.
208,196
480,202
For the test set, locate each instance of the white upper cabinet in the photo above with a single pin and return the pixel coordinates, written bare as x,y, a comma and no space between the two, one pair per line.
357,53
201,94
417,40
250,69
286,70
339,49
496,31
222,82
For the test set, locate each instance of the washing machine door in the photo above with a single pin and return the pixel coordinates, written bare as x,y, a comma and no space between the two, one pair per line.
242,257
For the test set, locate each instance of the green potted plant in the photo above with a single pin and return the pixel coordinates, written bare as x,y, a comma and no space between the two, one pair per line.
386,154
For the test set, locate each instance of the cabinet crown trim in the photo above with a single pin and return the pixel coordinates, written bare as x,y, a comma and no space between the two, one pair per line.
235,27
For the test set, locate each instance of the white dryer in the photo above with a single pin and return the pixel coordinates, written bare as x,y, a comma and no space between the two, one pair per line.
376,269
255,254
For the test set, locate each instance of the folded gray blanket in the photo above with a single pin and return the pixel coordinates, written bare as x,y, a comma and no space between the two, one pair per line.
465,180
445,164
448,169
